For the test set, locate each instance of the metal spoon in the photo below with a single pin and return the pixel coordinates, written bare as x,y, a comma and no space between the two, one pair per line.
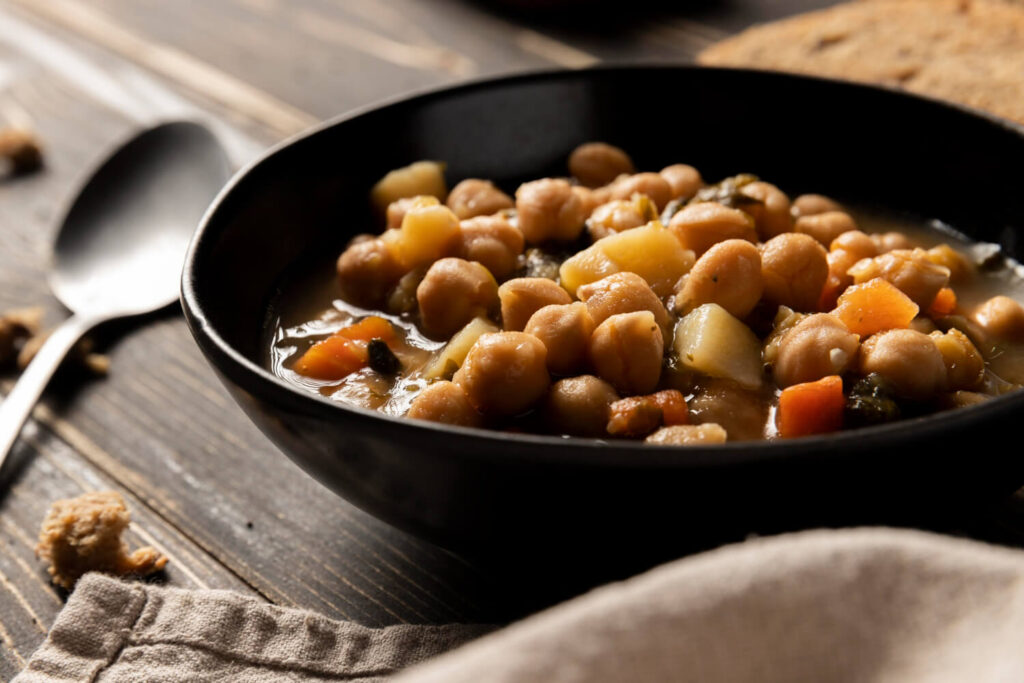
121,245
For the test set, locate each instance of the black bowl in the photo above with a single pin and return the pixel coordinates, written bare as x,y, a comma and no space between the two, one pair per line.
475,489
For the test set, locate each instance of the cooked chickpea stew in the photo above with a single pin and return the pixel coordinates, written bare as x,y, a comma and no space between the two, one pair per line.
619,304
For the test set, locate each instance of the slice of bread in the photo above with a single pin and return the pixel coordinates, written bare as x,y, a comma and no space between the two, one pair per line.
968,51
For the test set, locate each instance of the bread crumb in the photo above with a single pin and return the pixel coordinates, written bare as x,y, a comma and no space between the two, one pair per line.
20,151
83,534
81,353
16,327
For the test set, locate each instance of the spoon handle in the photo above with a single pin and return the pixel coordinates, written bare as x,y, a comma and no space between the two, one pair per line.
16,408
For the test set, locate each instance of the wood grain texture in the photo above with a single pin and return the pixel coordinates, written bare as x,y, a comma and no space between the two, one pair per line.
44,468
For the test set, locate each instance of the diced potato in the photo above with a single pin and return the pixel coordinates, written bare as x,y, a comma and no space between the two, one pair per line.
711,341
965,366
454,353
584,267
422,177
651,251
429,232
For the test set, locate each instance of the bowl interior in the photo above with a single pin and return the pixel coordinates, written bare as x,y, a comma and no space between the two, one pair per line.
862,145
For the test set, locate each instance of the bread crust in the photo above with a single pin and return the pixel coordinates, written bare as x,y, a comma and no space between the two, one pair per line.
966,51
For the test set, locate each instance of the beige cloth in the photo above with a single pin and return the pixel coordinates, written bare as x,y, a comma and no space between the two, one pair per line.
111,631
875,605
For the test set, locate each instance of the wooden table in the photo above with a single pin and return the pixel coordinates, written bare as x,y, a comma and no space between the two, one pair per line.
203,484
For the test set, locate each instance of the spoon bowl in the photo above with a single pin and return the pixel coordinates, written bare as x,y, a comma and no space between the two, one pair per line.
122,241
121,244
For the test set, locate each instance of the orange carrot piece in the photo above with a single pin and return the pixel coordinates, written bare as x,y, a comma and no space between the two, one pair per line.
673,407
811,408
372,327
875,306
945,302
333,358
344,352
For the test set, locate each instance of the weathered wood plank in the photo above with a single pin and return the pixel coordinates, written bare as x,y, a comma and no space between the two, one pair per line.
42,469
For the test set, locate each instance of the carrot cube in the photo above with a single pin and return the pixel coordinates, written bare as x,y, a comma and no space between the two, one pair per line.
673,407
344,352
333,358
372,327
944,304
875,306
811,408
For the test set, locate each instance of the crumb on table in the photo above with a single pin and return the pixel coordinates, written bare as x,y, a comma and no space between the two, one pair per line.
84,534
82,353
16,328
20,150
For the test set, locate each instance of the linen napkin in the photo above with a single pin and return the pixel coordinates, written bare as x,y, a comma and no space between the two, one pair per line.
875,605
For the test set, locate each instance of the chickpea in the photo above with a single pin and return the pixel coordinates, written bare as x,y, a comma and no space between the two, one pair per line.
650,184
771,210
621,214
634,416
855,242
811,204
397,209
402,298
794,268
597,163
361,237
962,399
589,199
844,253
698,227
741,413
579,405
624,292
367,271
504,373
493,242
826,227
960,269
728,274
1002,317
688,435
598,195
911,271
447,403
818,346
524,296
910,360
626,350
683,180
926,325
549,211
890,241
965,368
565,330
452,293
475,197
839,262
